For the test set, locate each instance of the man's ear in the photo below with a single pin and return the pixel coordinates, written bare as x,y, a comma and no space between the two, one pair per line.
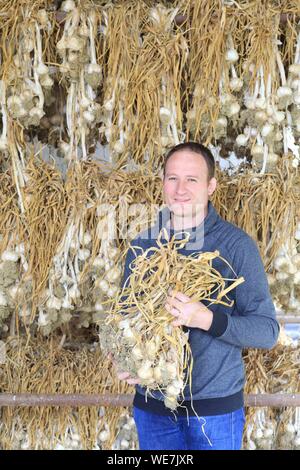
212,186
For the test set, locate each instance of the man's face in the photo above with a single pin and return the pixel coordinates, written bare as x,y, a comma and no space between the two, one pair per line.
186,187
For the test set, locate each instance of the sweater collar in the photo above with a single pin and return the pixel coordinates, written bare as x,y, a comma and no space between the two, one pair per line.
197,234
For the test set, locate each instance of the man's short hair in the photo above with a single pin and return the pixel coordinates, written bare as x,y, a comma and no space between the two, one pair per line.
196,148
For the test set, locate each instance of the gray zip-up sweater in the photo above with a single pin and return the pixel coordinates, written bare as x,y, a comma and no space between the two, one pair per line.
218,371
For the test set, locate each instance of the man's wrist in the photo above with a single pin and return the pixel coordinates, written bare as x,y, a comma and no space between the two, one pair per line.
205,319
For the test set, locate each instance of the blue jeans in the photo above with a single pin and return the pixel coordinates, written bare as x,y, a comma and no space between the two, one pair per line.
221,432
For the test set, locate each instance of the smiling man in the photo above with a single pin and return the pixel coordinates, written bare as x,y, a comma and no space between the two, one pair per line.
188,183
212,415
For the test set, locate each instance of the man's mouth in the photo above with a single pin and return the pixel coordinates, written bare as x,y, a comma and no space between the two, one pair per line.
182,200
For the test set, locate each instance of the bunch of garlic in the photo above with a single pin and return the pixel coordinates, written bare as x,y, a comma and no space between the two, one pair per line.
292,132
79,66
63,292
262,121
147,356
11,290
25,95
168,117
230,107
116,134
3,137
126,435
162,17
68,294
289,429
285,283
260,433
229,87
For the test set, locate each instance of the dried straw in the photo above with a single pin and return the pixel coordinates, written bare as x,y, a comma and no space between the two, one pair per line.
142,299
41,366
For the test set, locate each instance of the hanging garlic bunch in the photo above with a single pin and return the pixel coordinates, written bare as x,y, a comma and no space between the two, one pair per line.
292,132
11,290
73,43
109,102
260,429
79,66
260,433
289,429
106,265
126,435
3,137
167,116
162,17
284,285
263,117
230,106
25,96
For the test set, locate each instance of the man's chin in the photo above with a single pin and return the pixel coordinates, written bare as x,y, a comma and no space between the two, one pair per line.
182,210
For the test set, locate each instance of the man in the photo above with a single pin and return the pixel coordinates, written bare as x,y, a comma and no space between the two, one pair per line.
212,416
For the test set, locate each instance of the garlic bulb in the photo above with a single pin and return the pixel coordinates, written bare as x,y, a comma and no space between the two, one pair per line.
171,370
98,307
128,333
241,140
14,291
267,129
260,117
83,254
236,84
294,69
112,291
284,91
261,103
43,319
74,292
157,373
257,151
42,69
104,436
99,262
3,301
165,115
103,285
281,263
53,303
113,274
137,353
231,56
145,371
10,256
85,239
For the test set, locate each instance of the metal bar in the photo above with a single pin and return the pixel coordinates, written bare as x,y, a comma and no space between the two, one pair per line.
76,399
288,318
276,400
26,399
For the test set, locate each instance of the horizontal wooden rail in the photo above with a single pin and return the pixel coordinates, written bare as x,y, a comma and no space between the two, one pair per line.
276,400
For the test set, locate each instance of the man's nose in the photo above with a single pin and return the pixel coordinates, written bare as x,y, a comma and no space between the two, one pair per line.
180,187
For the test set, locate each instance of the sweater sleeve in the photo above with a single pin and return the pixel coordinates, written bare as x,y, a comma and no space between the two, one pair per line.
252,323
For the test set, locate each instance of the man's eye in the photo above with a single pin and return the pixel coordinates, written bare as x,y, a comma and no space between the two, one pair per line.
193,180
171,178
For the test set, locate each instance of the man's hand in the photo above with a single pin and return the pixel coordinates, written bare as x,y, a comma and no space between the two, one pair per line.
129,379
121,375
188,312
